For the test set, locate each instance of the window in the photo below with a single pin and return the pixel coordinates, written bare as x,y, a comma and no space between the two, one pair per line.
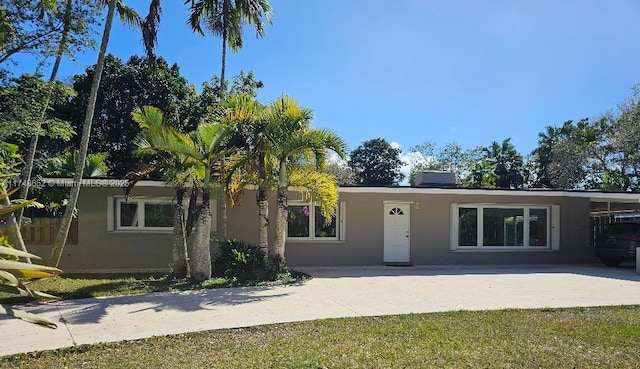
306,222
502,227
143,214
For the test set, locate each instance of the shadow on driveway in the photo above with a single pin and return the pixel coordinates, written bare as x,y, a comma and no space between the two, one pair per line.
92,310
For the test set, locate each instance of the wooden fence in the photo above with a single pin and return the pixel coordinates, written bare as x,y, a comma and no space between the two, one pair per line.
42,231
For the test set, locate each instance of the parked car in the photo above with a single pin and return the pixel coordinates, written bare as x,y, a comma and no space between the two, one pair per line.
617,243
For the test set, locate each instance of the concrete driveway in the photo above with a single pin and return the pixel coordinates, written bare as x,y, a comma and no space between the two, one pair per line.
333,292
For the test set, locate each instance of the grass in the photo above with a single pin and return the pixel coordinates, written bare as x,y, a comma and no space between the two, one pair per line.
78,287
601,337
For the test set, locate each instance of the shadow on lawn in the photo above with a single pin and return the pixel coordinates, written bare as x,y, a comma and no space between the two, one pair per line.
87,311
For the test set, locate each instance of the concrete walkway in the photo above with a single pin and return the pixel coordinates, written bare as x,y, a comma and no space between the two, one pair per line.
334,292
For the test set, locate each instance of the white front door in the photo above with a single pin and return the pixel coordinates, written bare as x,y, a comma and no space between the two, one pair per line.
396,232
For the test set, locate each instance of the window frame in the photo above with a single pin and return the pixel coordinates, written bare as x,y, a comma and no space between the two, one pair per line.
552,227
340,224
141,201
113,214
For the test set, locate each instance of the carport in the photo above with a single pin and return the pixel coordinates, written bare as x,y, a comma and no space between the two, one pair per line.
613,207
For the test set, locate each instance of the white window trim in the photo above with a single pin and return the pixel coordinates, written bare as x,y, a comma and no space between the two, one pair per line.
113,214
141,201
553,227
340,224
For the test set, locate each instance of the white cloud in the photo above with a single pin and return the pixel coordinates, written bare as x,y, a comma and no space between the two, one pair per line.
409,160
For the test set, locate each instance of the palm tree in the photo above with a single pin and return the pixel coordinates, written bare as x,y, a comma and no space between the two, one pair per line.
159,137
276,145
225,18
128,16
250,135
293,141
202,149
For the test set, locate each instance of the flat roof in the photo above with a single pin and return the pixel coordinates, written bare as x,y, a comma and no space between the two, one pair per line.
593,195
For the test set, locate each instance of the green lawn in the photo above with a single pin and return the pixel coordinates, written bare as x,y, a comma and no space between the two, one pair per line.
602,337
76,287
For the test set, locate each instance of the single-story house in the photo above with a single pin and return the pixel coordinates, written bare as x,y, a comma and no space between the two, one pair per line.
373,226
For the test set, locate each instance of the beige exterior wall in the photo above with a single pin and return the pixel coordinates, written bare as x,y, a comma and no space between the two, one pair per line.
110,251
102,251
430,227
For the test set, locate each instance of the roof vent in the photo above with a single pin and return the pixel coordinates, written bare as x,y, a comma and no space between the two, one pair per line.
435,179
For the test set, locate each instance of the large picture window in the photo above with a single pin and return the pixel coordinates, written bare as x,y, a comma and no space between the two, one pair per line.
500,227
306,222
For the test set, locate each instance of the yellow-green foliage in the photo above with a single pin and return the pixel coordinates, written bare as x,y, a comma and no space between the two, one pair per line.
322,187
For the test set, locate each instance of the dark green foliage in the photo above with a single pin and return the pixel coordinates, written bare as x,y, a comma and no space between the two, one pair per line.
21,104
239,260
501,166
123,88
376,162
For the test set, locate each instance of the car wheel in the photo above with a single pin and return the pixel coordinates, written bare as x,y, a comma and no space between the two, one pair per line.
611,262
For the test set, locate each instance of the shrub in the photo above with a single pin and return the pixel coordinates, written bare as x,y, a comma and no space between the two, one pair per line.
239,260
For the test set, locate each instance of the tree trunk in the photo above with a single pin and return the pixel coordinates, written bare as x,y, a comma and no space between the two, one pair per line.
180,255
223,92
200,254
33,144
282,214
61,237
263,221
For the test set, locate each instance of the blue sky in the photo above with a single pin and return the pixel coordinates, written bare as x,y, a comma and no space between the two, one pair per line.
415,70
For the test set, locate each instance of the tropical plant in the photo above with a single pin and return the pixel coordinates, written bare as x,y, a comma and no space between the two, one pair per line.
15,275
238,260
203,149
226,18
158,141
293,142
65,165
276,143
505,165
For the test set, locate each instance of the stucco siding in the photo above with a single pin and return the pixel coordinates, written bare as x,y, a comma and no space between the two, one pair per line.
100,249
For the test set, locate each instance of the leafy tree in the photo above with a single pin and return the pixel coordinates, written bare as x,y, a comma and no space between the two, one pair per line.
502,165
376,162
123,87
578,155
451,157
341,171
21,102
542,155
40,28
625,137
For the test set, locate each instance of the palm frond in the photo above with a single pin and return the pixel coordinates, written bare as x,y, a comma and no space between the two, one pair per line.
150,27
128,16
